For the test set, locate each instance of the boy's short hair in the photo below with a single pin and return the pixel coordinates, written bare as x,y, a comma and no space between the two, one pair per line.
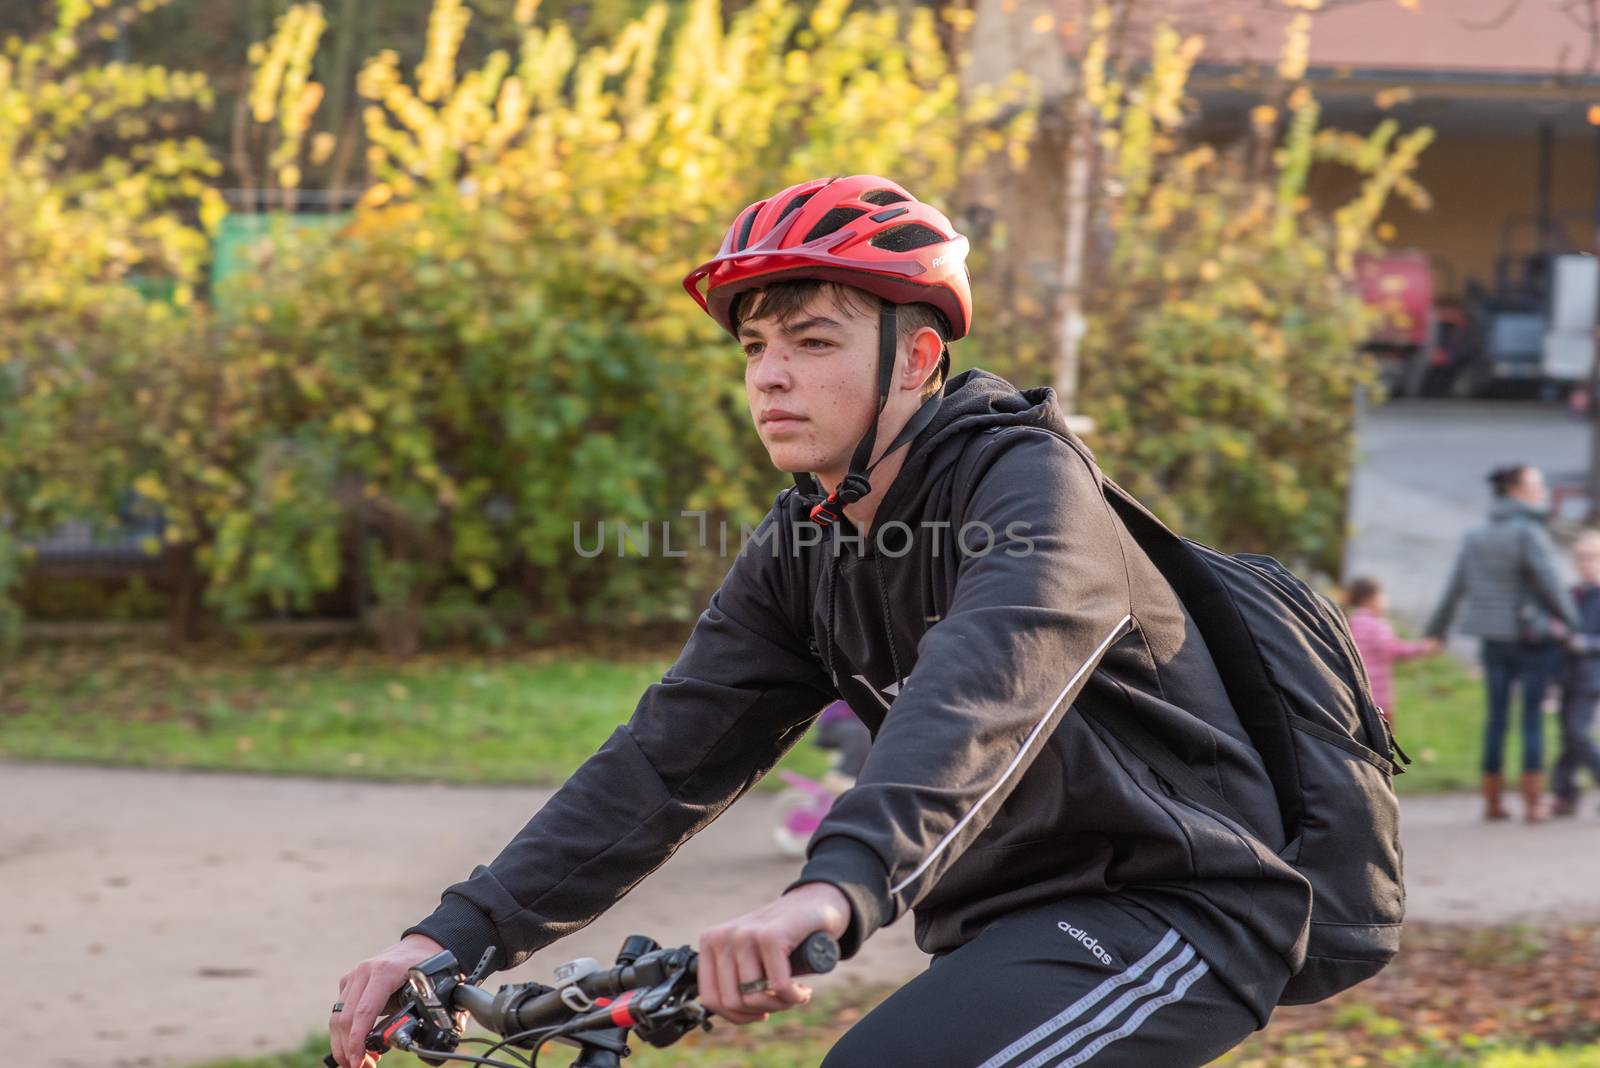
784,300
1361,591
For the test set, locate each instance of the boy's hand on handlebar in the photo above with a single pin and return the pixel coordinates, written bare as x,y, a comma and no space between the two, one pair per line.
757,946
365,990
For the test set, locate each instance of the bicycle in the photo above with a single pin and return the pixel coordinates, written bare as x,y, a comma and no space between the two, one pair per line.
650,991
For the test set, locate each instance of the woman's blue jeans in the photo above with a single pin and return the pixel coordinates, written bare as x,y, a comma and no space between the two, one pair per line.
1509,667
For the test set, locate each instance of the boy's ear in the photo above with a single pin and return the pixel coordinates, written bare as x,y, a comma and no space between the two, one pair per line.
922,355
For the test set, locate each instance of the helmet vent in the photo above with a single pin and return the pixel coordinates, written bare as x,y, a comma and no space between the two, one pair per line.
907,237
793,206
832,221
884,196
744,230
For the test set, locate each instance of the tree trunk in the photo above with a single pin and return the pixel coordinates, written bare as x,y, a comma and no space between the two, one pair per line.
348,27
351,138
184,616
397,626
1070,325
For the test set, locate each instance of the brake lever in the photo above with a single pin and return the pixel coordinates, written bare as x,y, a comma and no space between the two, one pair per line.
399,1031
392,1033
396,1032
666,1014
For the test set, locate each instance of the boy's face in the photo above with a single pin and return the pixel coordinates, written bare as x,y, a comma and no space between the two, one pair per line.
1531,489
1587,555
811,383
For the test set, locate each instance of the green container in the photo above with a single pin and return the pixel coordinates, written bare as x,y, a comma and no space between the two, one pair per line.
244,238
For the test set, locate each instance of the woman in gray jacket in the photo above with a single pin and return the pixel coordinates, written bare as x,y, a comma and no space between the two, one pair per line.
1505,590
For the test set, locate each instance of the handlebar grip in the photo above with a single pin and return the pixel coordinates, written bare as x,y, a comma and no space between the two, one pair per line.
817,955
330,1062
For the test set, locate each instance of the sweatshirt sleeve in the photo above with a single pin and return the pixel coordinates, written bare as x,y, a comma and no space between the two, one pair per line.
1439,622
1397,648
1026,626
741,694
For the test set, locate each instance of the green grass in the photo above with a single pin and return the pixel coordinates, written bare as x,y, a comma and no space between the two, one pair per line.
528,718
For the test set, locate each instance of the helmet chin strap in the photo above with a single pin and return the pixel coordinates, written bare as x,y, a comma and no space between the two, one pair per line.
855,485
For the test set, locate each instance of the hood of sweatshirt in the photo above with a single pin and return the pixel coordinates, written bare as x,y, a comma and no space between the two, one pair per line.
972,401
1505,508
975,400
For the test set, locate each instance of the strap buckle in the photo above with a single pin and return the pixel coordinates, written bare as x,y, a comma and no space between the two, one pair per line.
827,512
854,487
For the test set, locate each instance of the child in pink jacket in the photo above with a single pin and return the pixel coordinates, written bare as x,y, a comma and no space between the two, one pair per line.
1367,608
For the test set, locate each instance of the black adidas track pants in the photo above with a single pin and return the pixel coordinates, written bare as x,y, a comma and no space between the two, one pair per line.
1083,981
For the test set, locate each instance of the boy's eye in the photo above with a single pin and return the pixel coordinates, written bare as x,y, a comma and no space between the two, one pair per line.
755,348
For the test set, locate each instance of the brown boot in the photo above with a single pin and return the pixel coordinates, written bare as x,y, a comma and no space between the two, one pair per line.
1533,805
1492,809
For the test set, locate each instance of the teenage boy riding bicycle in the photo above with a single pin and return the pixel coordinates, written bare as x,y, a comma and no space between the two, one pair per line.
947,564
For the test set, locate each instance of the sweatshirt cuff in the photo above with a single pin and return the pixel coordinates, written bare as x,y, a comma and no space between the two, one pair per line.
463,929
857,873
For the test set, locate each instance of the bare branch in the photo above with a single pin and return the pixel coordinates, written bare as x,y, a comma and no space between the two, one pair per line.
1495,23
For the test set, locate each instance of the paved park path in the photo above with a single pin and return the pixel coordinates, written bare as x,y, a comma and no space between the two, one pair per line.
157,919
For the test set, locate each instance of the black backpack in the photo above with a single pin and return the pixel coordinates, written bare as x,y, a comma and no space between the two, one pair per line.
1297,683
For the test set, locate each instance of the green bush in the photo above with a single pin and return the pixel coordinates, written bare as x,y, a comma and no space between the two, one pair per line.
101,203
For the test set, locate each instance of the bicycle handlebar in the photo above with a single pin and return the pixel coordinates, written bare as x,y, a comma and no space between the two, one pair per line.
650,990
816,955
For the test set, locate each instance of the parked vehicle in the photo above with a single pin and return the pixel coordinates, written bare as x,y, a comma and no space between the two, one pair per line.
1534,323
1398,287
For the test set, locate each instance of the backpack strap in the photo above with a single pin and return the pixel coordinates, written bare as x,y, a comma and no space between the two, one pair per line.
1170,553
1221,626
1251,691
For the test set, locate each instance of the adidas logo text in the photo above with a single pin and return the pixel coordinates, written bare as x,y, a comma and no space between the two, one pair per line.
1091,943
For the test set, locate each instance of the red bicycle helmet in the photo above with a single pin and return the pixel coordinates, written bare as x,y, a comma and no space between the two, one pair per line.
863,231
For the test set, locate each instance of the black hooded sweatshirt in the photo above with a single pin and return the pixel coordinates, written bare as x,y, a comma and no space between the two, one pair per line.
995,593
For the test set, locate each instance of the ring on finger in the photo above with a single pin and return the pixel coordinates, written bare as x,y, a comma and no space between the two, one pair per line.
755,986
338,1006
